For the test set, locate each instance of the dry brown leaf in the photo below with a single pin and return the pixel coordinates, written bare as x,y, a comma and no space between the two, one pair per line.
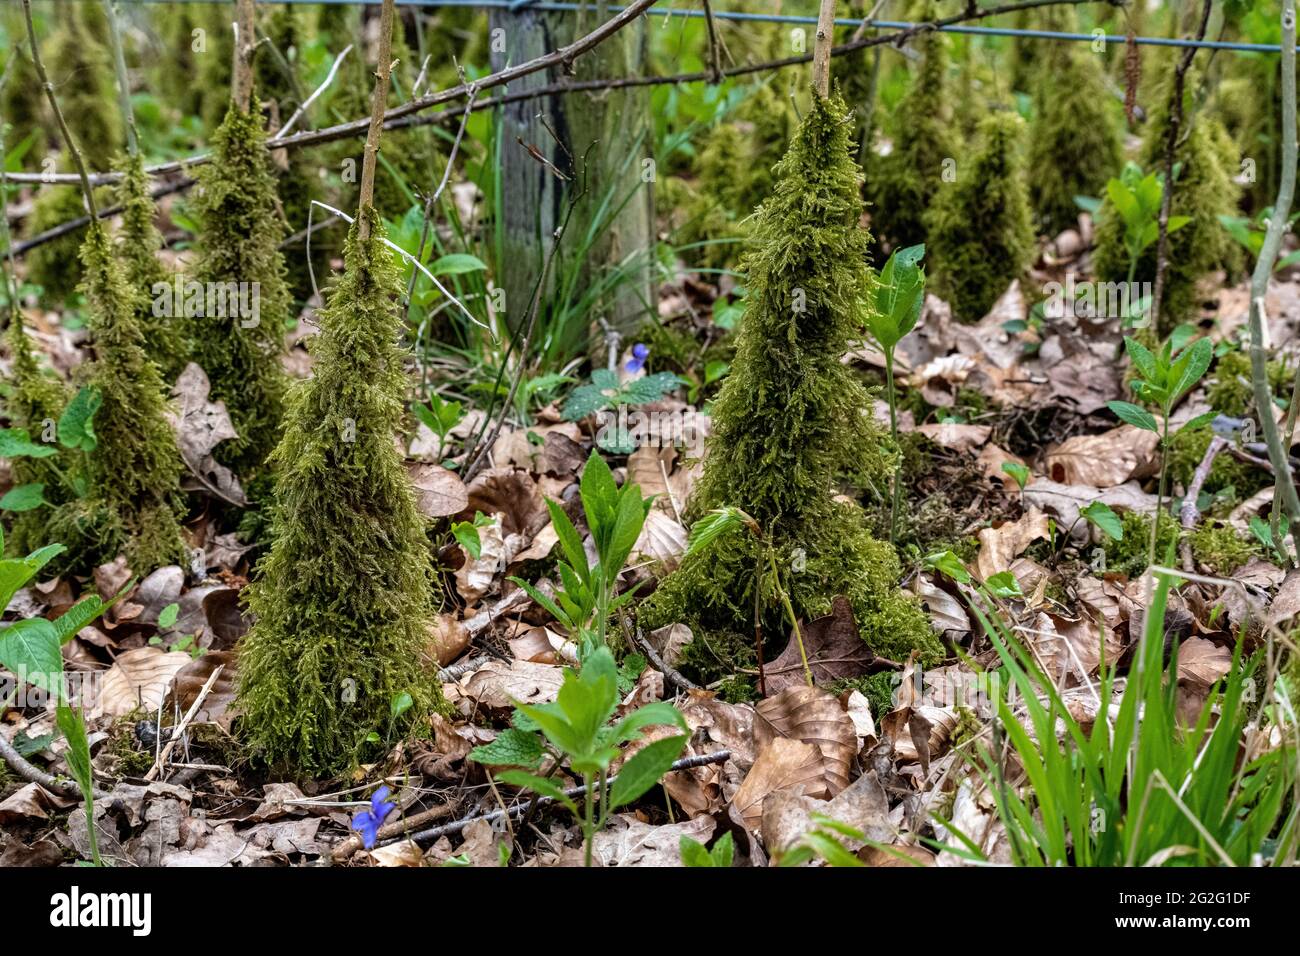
479,576
662,538
536,645
648,467
781,764
947,615
1065,501
497,686
511,493
1202,662
1001,545
669,641
812,715
957,436
787,815
991,458
1105,460
834,647
928,730
627,841
200,425
438,491
402,853
217,707
449,637
859,710
138,678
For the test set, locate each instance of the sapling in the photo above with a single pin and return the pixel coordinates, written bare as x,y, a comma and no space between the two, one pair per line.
896,306
579,729
1136,199
1166,377
589,595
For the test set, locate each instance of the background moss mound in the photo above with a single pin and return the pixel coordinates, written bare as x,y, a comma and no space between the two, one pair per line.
343,600
980,233
240,237
788,422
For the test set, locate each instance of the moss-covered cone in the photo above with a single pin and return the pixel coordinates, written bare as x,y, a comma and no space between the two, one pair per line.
33,403
239,242
135,471
980,232
54,265
1074,144
902,184
137,251
342,602
1203,190
790,420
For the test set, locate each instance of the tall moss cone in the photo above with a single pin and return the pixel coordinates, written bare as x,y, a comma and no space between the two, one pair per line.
1074,144
33,403
239,242
342,602
1203,190
980,232
137,251
902,184
790,420
135,471
54,265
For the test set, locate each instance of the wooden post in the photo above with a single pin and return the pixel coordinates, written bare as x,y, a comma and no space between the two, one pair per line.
616,121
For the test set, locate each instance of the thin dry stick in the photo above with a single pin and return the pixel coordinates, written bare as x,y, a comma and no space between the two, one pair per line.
179,730
64,788
715,65
306,104
1190,513
658,662
1171,144
112,12
822,48
377,103
1284,491
345,850
245,43
46,85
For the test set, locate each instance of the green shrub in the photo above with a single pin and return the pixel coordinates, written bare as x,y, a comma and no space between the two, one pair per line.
979,227
343,601
788,422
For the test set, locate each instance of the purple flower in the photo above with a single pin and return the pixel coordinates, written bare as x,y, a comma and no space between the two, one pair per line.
368,822
640,352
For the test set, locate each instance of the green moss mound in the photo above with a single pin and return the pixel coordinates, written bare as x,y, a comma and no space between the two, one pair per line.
1203,190
1074,141
1128,556
903,183
789,420
343,600
134,488
55,266
980,236
239,242
1187,448
1220,549
137,250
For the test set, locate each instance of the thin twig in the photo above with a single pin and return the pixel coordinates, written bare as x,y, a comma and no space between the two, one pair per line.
179,730
64,788
377,104
119,67
715,65
671,673
306,104
821,76
1190,513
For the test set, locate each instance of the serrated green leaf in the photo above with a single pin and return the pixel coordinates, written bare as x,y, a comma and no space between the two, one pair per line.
514,748
645,769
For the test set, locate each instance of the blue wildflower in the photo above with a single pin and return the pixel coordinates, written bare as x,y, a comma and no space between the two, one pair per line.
368,822
640,352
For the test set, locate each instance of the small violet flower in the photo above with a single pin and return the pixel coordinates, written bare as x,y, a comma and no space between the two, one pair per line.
368,822
640,352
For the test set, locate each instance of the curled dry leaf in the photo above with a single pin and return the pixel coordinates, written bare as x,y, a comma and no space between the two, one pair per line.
813,716
496,686
991,459
927,732
200,425
662,539
1104,460
478,576
957,436
448,638
218,707
511,493
781,764
1202,662
787,815
647,467
947,615
1001,545
669,641
535,645
439,492
138,678
1065,501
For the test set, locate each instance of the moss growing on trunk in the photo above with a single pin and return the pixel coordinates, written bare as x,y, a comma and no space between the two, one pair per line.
791,418
239,242
137,251
343,600
134,488
1074,142
1203,190
902,184
980,233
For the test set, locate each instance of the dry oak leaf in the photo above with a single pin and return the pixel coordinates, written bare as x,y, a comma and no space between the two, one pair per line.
1002,545
813,716
834,647
138,678
1105,460
957,436
438,491
497,686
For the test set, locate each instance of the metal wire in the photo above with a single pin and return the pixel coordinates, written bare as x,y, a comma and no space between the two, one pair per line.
793,20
